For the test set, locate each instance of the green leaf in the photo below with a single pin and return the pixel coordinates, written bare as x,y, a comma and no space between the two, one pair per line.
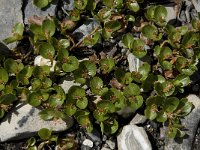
45,115
103,14
12,66
24,75
71,64
82,103
55,100
112,26
150,113
157,100
48,27
131,90
80,4
106,65
122,76
182,80
130,18
162,116
64,43
171,104
7,99
76,92
150,12
144,70
111,126
31,142
3,76
184,107
106,105
172,132
113,3
41,71
150,31
96,85
133,6
100,115
70,110
75,15
128,39
44,133
92,39
47,50
160,14
41,3
2,112
135,102
165,89
35,99
18,29
138,48
189,39
148,83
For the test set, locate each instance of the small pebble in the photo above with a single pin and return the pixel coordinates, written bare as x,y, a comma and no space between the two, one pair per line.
88,143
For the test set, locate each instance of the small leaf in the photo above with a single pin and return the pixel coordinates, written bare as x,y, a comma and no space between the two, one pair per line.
64,43
133,6
80,4
48,27
106,65
172,132
171,104
162,116
150,113
160,14
7,99
44,133
131,90
150,32
2,112
182,80
82,103
96,85
47,50
138,48
128,39
34,99
71,64
70,110
41,4
3,76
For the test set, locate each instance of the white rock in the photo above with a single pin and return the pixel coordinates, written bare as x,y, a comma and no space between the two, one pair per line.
88,143
133,137
171,13
138,119
23,122
134,63
41,61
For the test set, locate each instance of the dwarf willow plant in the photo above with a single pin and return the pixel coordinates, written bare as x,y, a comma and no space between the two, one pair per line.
174,53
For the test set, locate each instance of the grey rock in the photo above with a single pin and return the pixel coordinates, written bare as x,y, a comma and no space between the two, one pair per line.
30,10
134,63
138,119
85,29
10,14
105,148
190,122
23,122
94,136
171,13
68,5
133,137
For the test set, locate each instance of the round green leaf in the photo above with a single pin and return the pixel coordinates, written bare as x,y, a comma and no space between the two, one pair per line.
160,14
171,104
150,113
34,99
80,4
41,4
107,64
71,64
47,50
44,133
128,39
162,116
7,99
131,90
3,76
82,103
96,84
48,27
64,43
70,110
150,31
133,6
138,48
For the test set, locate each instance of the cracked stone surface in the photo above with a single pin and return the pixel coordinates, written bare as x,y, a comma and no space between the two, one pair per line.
23,122
10,14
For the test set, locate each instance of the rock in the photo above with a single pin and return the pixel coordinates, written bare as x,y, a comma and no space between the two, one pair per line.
23,122
111,144
171,13
134,62
67,82
190,122
138,119
105,148
31,10
10,14
41,61
68,5
133,137
88,143
85,29
95,136
126,112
